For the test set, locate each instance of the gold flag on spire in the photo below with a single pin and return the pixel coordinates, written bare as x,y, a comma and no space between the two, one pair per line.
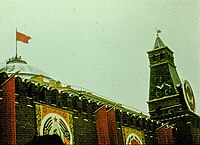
158,31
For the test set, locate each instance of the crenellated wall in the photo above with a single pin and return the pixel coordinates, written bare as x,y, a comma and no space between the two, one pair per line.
28,94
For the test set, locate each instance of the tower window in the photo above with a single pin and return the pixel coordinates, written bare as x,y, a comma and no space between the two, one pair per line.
161,56
158,110
154,58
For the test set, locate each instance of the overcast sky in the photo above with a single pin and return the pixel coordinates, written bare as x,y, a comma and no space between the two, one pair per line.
101,45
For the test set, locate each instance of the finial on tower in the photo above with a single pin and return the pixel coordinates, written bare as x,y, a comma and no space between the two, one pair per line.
158,43
157,32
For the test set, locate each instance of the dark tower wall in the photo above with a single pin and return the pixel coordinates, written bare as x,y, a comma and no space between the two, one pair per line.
164,96
171,101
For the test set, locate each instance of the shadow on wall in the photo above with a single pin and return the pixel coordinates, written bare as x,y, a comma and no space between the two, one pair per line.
46,140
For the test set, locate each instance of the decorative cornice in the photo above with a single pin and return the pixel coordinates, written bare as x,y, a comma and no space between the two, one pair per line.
166,108
163,98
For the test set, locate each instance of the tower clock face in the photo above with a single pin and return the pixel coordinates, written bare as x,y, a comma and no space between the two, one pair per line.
189,96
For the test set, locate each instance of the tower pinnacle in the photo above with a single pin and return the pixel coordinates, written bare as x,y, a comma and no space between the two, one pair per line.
157,32
158,43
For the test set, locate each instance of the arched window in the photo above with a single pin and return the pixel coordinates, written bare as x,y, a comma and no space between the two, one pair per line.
161,56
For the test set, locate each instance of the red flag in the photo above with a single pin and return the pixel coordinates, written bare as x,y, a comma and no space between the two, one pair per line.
170,135
162,135
165,135
112,126
22,37
8,131
102,126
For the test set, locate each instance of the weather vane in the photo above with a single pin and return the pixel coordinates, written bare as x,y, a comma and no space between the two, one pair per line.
157,32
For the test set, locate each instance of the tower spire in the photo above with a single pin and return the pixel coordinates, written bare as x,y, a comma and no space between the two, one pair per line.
158,43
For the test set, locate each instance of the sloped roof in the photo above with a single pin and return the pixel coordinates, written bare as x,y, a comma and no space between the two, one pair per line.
158,43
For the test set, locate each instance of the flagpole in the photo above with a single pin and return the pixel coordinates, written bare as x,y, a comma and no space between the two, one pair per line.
16,43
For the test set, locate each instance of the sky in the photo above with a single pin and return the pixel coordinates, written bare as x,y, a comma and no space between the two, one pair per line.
101,45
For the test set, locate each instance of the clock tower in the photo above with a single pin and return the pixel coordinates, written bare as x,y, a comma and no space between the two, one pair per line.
171,101
168,96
